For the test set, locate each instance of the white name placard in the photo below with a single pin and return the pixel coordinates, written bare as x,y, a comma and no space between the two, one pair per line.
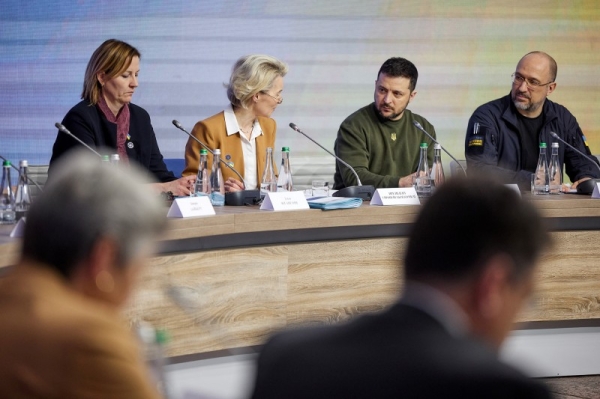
596,192
186,207
19,229
395,196
284,201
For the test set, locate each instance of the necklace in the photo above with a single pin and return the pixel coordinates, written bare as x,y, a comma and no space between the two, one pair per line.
249,130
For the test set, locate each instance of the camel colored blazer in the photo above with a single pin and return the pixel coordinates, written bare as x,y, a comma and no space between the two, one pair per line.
213,133
57,343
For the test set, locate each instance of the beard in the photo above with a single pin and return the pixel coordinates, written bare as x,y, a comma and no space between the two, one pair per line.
391,117
530,107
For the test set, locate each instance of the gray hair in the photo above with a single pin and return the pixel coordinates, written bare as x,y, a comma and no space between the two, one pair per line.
252,74
85,201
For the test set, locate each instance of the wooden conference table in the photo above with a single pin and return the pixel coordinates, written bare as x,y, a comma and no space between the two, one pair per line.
230,280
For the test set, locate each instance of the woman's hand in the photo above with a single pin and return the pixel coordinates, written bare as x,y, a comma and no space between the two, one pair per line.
180,187
232,185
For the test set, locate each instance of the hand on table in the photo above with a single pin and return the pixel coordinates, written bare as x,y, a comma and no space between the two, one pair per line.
232,185
407,181
574,185
180,187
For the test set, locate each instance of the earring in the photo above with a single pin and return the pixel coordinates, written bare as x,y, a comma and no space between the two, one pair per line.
105,282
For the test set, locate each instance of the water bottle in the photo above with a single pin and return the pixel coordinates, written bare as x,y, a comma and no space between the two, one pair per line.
105,159
284,181
555,172
422,179
7,204
22,197
202,185
437,169
540,178
217,188
269,181
153,342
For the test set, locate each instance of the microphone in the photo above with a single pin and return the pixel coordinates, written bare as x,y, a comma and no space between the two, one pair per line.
585,187
418,126
236,198
360,191
63,129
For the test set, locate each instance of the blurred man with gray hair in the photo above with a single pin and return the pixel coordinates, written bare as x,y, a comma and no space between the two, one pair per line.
86,238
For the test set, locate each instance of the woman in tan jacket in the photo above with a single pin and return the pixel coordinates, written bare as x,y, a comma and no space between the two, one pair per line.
243,131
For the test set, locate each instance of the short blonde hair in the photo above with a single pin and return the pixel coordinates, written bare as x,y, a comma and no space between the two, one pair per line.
112,57
252,74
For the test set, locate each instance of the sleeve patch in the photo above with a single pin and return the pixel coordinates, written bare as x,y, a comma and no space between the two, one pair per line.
476,141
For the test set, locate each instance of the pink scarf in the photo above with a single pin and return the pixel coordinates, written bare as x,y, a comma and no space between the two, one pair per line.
122,121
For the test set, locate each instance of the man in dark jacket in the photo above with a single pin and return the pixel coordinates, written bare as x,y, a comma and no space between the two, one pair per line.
503,135
460,299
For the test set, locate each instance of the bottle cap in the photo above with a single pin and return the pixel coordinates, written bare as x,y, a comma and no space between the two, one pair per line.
203,151
542,145
285,149
437,146
23,163
105,158
217,151
423,145
115,157
162,336
6,163
554,145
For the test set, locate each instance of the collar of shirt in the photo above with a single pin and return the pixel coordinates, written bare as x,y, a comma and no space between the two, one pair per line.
438,305
232,126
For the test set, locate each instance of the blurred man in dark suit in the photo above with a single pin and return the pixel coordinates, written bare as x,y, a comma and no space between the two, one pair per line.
469,267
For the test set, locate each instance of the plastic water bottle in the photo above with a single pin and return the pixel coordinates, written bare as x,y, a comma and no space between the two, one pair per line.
540,178
217,188
22,197
202,185
422,179
284,181
555,171
269,181
7,202
437,169
153,346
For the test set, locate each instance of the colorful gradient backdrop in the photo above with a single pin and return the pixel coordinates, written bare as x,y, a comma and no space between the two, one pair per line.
465,52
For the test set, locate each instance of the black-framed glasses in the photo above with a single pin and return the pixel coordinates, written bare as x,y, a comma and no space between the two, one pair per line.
279,99
531,83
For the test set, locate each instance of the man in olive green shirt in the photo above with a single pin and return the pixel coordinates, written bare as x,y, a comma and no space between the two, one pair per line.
379,140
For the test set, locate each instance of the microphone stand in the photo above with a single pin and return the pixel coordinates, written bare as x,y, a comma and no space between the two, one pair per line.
587,186
235,198
360,191
418,126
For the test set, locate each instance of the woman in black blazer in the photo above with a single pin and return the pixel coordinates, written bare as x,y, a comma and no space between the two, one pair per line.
106,119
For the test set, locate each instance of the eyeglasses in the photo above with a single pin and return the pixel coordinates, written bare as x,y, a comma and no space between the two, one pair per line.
531,83
279,99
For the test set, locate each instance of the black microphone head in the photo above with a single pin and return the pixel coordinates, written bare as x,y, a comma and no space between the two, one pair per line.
293,126
59,126
177,124
554,135
417,124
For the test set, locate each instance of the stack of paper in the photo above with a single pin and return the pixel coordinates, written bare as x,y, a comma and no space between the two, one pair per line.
328,203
